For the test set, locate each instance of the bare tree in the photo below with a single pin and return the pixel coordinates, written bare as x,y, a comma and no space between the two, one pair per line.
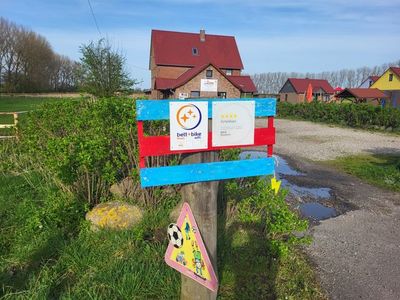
273,82
28,63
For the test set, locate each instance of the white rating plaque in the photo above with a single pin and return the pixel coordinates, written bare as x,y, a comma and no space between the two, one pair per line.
233,123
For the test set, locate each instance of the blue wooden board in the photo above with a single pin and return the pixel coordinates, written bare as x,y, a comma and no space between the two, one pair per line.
206,172
147,110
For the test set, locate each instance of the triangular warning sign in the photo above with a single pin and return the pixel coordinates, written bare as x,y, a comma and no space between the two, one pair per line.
190,257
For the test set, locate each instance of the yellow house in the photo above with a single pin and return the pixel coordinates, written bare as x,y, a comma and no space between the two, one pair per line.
389,83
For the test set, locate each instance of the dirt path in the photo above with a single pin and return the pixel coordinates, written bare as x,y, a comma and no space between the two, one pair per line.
356,254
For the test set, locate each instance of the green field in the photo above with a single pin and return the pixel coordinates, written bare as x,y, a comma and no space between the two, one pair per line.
19,104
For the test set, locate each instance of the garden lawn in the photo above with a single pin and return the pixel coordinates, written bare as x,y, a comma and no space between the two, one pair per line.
379,170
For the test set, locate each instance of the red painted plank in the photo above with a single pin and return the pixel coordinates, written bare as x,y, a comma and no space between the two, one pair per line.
160,145
142,161
270,146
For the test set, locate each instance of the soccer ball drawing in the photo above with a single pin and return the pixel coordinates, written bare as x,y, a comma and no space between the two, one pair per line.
175,235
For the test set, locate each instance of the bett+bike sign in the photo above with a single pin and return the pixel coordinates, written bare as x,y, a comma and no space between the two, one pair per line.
233,126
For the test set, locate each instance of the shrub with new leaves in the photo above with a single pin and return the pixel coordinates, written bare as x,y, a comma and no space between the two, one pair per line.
102,71
350,114
85,145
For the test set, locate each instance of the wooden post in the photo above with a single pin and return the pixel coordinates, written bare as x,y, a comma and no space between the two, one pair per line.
202,198
16,123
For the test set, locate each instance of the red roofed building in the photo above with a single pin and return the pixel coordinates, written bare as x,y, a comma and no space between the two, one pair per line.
294,90
363,95
368,81
193,65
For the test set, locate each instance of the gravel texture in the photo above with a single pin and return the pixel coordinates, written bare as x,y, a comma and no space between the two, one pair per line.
357,254
324,142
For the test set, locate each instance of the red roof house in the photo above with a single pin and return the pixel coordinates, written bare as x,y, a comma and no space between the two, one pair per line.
185,65
362,95
368,81
294,89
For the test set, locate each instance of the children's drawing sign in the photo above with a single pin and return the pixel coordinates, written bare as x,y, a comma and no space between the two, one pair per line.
190,257
188,125
233,123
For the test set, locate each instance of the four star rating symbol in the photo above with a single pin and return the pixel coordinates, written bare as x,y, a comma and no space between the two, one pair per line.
229,116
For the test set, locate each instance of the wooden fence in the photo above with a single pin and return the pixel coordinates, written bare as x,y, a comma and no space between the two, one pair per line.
14,125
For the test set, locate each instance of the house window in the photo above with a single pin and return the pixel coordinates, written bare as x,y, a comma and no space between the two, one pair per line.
228,71
370,82
286,97
222,95
194,94
195,51
390,77
209,74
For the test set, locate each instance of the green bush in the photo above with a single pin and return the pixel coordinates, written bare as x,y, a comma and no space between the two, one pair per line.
84,145
256,203
349,114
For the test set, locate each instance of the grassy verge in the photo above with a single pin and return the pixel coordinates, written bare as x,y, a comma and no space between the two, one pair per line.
379,170
47,251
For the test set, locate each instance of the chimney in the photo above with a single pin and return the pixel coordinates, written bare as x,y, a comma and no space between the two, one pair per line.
202,35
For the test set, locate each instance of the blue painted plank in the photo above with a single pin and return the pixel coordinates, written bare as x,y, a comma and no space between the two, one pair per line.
206,172
147,110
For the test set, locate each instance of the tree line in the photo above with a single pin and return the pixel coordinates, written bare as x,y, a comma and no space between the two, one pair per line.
29,64
273,81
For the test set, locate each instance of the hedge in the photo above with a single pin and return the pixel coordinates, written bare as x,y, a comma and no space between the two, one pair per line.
348,114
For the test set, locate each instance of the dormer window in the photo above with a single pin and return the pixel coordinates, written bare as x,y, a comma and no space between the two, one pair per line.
209,73
228,71
390,77
195,51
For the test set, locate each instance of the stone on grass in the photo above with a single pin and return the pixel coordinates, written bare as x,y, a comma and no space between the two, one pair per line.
114,215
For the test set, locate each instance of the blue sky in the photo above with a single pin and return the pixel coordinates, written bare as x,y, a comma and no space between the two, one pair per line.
285,35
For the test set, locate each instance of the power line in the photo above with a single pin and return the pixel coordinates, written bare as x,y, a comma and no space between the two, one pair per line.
94,17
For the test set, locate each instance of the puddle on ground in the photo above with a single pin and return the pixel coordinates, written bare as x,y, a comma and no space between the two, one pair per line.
317,211
302,191
282,167
312,210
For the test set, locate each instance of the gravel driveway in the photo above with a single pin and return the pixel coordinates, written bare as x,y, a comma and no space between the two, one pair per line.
323,142
356,254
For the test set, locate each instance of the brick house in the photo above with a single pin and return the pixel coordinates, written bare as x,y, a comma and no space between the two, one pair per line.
192,65
294,90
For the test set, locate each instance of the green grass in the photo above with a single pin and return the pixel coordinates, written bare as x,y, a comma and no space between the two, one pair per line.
379,170
247,270
48,251
19,104
16,104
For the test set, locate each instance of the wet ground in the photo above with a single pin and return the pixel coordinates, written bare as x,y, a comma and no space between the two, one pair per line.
313,202
356,252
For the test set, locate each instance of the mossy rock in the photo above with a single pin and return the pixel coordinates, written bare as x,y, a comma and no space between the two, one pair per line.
114,215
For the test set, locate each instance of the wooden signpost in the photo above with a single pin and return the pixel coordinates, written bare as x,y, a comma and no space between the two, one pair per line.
233,126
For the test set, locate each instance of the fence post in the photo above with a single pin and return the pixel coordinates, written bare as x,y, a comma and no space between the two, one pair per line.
15,114
202,198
